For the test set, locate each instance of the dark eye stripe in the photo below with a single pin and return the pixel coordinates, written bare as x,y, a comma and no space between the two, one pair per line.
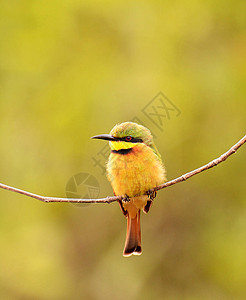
133,140
136,140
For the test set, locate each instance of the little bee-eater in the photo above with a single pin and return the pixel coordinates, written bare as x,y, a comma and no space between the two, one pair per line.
134,167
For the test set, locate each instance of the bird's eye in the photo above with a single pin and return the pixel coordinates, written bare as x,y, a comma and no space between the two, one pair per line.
128,138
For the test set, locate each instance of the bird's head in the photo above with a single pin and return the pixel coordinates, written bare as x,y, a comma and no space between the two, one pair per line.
128,135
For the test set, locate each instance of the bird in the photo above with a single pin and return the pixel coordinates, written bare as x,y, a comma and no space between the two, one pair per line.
134,168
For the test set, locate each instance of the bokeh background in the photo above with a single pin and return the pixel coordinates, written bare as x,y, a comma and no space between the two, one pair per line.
73,69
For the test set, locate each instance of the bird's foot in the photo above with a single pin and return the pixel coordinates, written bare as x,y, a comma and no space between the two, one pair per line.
151,194
126,199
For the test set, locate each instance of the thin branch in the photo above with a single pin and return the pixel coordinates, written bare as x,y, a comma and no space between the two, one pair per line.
184,177
210,165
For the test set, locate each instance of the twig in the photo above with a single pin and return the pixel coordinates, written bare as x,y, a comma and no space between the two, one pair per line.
210,165
184,177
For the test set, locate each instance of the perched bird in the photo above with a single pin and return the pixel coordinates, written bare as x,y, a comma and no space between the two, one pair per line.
134,167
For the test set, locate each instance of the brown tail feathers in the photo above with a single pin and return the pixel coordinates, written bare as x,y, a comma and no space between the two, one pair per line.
133,236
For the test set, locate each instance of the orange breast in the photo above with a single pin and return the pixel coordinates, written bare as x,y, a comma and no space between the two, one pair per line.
136,172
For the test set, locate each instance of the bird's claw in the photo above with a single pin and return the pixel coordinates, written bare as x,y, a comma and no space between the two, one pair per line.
151,194
126,199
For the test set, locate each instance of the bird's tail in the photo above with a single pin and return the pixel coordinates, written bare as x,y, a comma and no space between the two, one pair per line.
133,236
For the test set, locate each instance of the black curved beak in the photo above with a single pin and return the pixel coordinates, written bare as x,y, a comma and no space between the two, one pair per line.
106,137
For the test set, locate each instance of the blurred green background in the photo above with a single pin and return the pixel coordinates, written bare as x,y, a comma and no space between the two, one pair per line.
73,69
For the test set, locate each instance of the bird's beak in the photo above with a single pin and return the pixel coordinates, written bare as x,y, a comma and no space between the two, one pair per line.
106,137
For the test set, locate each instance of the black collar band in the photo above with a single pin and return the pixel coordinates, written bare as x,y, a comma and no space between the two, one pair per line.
122,151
